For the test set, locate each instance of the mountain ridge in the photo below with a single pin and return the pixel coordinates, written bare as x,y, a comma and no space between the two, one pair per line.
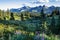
35,9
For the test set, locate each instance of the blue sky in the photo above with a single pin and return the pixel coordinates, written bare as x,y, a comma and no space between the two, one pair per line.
4,4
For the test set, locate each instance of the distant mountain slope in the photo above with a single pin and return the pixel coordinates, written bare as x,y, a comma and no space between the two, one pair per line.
35,9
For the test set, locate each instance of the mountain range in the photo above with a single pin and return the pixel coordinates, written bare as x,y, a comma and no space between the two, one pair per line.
35,9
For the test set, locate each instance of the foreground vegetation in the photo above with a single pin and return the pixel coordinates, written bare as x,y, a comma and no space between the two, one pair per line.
28,26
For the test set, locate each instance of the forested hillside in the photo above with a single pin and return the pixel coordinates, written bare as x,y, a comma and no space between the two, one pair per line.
27,25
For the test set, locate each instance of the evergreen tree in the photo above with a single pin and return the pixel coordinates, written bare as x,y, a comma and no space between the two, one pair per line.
52,25
4,18
43,20
42,14
12,17
58,26
0,14
7,14
55,12
22,18
27,14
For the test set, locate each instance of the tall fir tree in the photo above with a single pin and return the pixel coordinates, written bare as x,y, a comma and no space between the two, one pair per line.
27,14
22,18
7,14
55,12
12,17
52,25
43,19
0,14
58,26
42,13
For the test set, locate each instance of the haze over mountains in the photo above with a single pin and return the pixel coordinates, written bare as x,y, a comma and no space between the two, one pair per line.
35,9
